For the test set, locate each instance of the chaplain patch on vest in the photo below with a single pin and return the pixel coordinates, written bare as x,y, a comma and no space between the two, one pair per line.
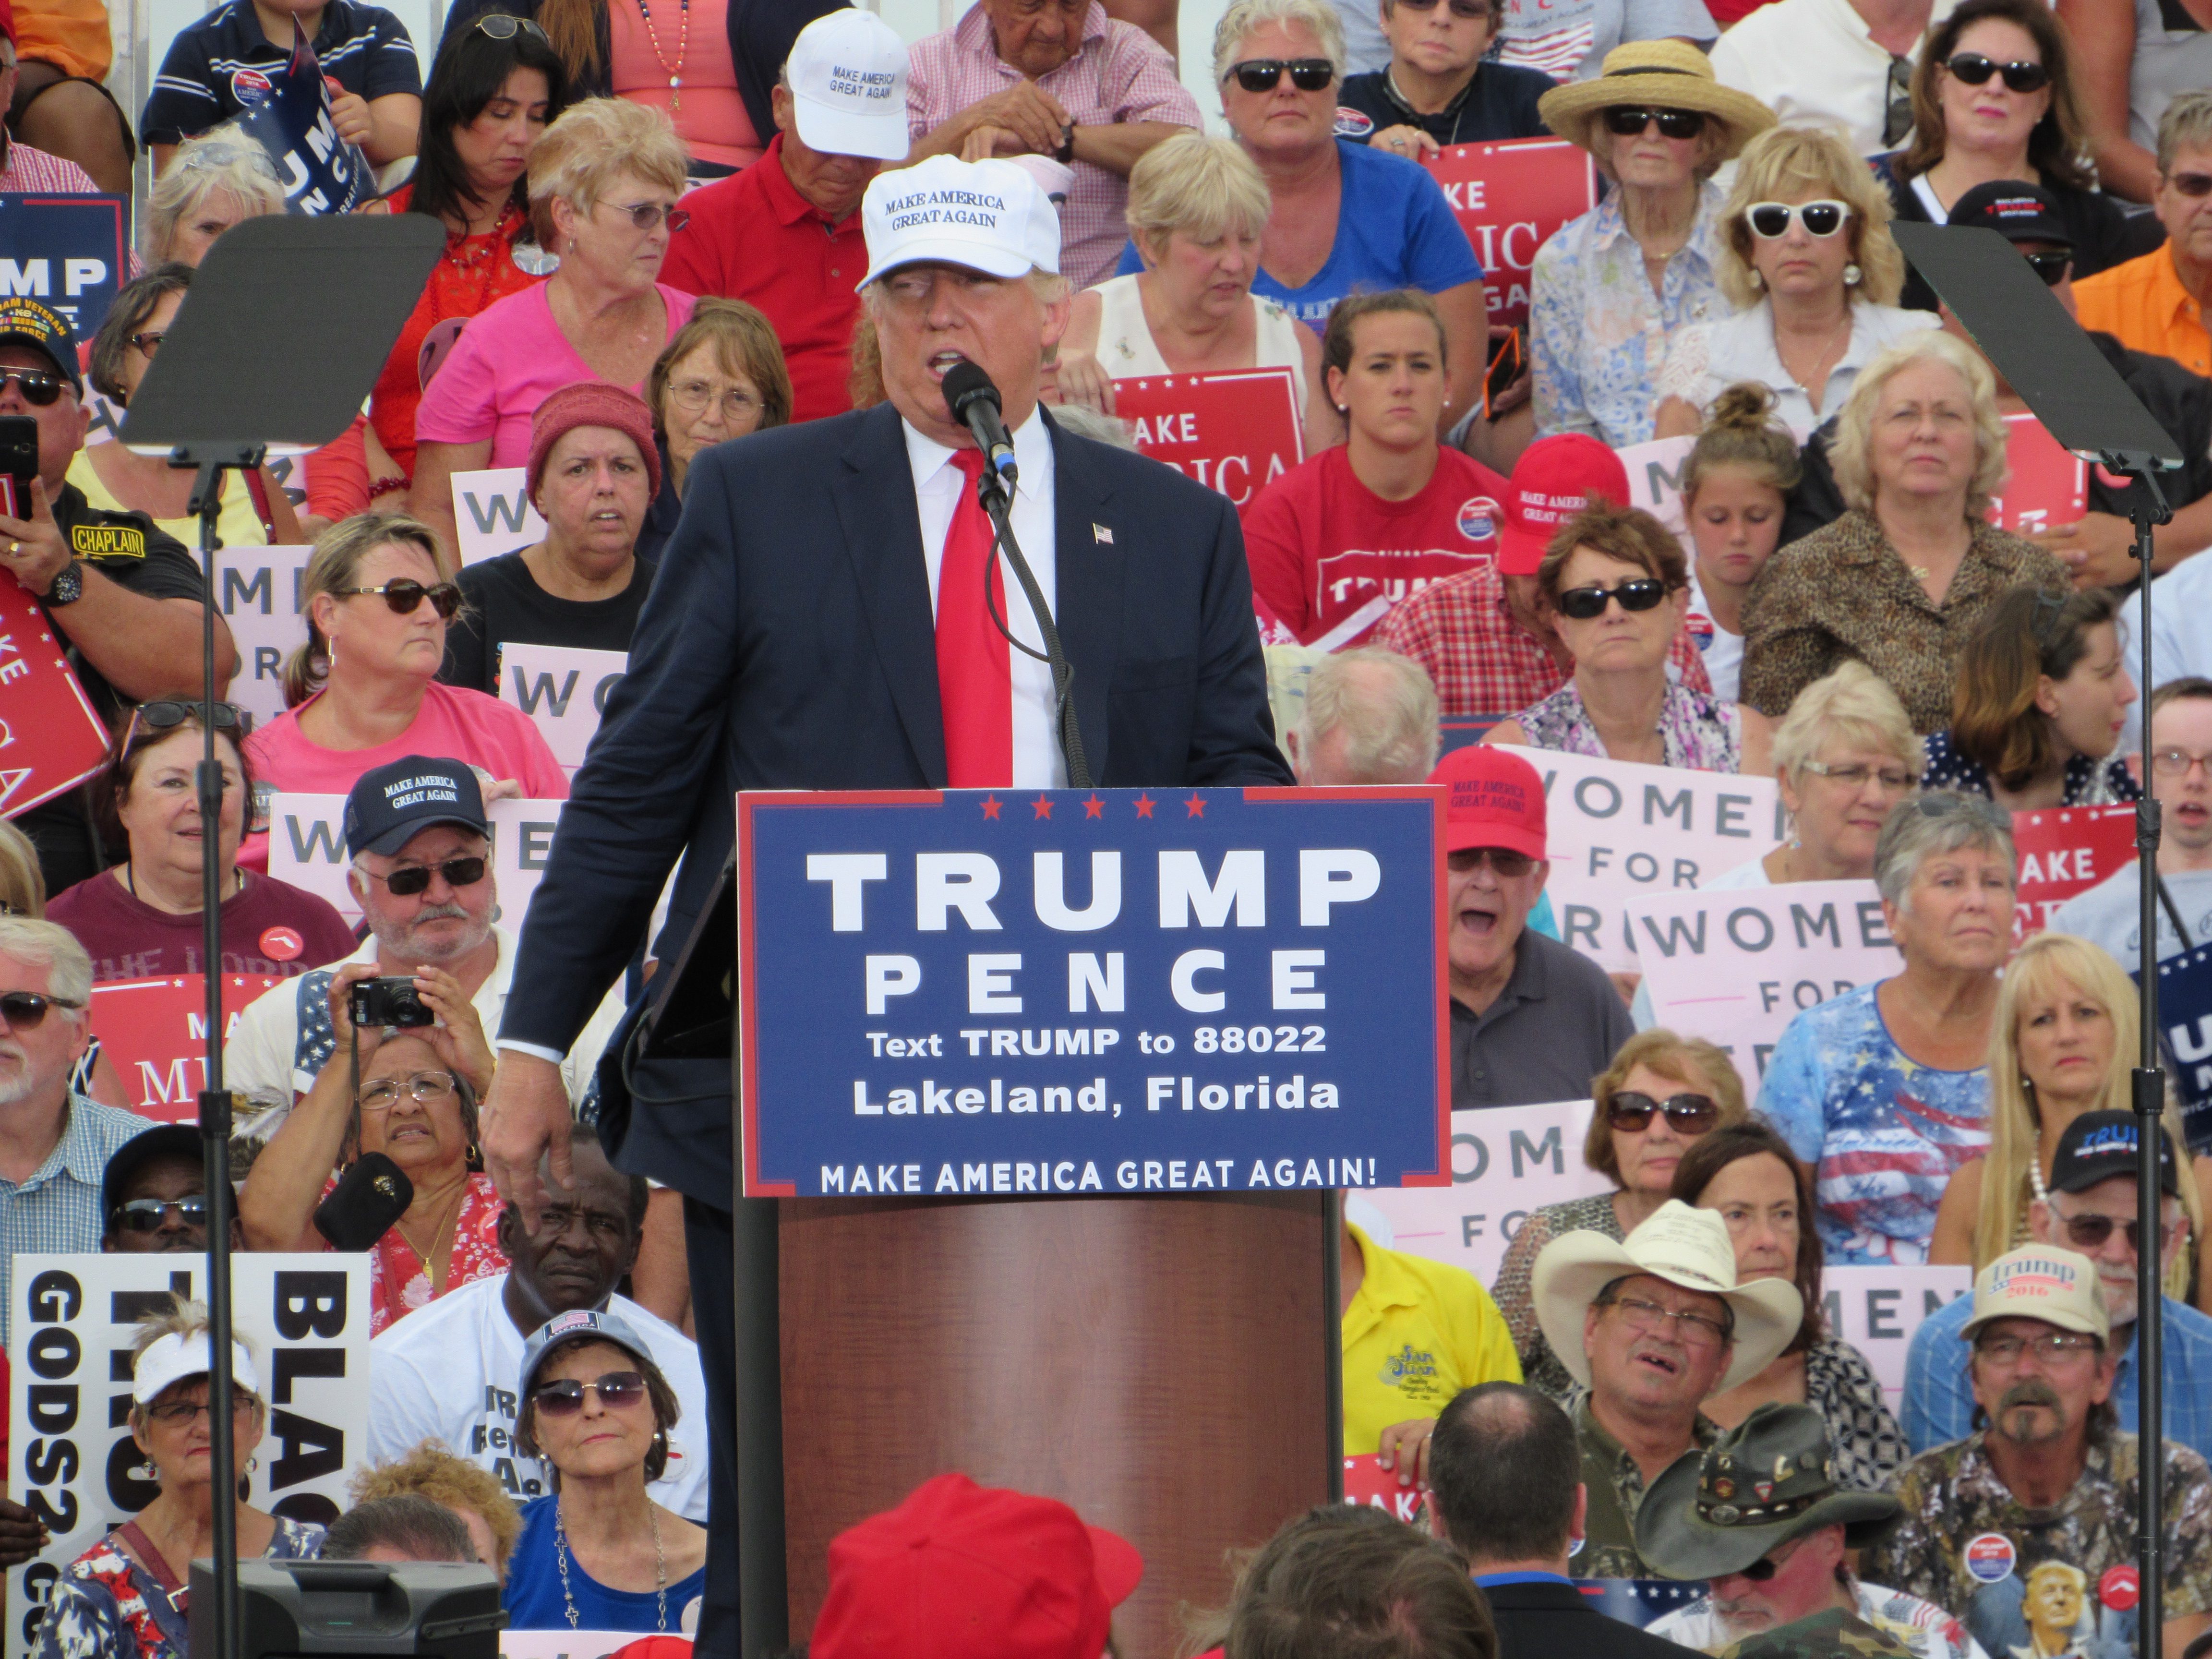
107,541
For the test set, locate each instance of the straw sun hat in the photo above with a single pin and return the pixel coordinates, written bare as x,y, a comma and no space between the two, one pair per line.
1655,75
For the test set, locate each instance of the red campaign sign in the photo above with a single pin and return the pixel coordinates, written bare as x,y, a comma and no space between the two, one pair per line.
154,1032
50,738
1234,430
2065,851
1511,196
1366,1481
2046,484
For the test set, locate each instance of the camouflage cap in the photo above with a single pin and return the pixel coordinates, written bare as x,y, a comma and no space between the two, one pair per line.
1838,1633
1770,1478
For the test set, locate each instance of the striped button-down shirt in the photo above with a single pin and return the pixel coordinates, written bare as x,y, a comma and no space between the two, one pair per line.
25,170
1118,75
58,1209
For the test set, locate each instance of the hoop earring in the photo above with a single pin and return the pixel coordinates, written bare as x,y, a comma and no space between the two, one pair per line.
474,1157
1853,275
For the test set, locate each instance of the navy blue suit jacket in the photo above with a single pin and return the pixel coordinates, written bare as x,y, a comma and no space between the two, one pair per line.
788,644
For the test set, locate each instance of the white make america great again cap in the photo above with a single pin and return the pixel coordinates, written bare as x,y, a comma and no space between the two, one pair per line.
848,75
990,216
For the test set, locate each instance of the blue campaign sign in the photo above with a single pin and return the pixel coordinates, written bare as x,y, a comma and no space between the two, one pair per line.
320,172
67,251
1070,992
2184,1021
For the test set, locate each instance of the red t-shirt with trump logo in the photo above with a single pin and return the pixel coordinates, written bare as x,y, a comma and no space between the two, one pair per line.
1325,549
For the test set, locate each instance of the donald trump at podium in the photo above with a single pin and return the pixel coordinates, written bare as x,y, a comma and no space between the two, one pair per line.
820,622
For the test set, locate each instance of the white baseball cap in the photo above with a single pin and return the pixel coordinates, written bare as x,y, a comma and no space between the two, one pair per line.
989,216
848,75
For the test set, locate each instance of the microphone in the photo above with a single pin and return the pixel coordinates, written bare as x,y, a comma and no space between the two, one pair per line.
969,395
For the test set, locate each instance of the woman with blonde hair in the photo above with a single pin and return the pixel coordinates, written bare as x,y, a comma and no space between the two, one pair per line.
604,182
1197,210
1902,578
470,1491
1807,260
1662,1092
2063,1042
363,690
217,179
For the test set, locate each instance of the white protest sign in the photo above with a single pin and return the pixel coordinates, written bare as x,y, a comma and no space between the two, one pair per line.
1735,968
564,690
1618,830
306,847
1877,1309
492,513
71,1460
1655,479
259,588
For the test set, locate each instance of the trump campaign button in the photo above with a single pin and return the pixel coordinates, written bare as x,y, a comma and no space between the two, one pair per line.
251,87
281,943
1351,122
1478,518
2120,1588
1990,1556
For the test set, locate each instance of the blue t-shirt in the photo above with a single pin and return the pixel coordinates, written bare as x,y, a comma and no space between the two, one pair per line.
1394,229
534,1600
1884,1133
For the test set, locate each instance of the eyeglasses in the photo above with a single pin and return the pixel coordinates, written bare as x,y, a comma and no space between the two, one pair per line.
423,1088
647,215
694,397
1771,220
412,879
405,594
1625,121
147,1215
1509,865
1897,111
39,388
1895,779
504,26
617,1390
149,342
177,1413
25,1011
2176,763
2019,75
2093,1233
1469,9
224,155
2191,184
1587,604
1692,1330
2051,266
1265,74
2050,1348
1632,1109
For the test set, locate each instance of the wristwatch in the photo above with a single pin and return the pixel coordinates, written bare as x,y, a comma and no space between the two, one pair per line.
68,586
1066,154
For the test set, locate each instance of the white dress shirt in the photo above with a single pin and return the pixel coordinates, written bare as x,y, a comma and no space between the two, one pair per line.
937,486
1814,63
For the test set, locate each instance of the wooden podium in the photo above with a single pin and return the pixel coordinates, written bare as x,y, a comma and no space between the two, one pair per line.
1159,1364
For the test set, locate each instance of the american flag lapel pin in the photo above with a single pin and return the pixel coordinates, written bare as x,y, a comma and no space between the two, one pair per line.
1099,532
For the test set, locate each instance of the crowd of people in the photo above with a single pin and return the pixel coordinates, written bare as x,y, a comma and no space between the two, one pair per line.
652,262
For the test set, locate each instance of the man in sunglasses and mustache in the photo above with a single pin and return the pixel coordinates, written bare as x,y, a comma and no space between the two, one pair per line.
2090,1208
124,599
2050,1477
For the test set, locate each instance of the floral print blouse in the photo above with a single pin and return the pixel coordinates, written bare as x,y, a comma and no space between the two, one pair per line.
2089,781
1701,733
105,1606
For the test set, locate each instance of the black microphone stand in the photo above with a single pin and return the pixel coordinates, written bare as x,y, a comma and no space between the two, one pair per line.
991,492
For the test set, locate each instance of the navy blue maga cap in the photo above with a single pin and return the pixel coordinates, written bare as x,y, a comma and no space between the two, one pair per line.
392,804
2101,1145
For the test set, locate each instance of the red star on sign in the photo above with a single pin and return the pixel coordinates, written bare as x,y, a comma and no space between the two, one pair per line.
1145,805
991,804
1195,808
1094,808
1042,807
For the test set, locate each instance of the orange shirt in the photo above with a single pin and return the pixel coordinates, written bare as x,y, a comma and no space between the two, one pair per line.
70,35
2143,305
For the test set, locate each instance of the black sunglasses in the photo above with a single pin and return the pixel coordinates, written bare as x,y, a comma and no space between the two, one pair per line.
165,713
2191,184
1582,603
25,1011
565,1397
146,1215
405,594
415,877
2051,266
1469,9
1625,121
1632,1109
2019,75
1263,74
39,388
503,26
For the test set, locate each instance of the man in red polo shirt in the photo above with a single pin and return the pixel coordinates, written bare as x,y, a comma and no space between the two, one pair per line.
785,233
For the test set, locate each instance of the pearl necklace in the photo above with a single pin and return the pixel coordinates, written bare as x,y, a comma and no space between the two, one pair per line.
659,1566
682,42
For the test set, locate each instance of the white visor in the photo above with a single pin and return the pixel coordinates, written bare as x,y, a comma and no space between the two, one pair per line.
172,1359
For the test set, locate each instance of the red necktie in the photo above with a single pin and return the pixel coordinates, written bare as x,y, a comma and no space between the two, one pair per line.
975,678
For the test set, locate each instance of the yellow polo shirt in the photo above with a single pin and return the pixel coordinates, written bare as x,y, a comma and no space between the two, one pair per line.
2143,305
1416,1333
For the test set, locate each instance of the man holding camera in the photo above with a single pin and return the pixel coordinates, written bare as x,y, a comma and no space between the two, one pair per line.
420,847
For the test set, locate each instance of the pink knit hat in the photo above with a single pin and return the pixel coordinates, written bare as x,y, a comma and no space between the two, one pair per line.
593,404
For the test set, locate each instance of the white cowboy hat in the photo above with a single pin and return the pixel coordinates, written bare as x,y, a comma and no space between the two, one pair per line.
1685,1247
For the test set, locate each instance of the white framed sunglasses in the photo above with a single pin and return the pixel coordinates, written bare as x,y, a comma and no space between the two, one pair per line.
1770,221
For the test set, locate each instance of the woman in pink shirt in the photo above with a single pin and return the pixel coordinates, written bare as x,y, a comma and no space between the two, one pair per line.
603,181
363,690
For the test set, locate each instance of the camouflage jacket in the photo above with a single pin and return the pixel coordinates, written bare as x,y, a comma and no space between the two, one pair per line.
1835,1634
1615,1481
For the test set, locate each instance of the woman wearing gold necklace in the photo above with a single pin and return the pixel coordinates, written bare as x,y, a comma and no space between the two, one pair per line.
598,1554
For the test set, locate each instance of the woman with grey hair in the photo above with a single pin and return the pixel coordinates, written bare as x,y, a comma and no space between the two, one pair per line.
215,180
1884,1090
1904,577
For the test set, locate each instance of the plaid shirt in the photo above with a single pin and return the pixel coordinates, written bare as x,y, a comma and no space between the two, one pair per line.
1119,74
25,170
1487,667
58,1210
